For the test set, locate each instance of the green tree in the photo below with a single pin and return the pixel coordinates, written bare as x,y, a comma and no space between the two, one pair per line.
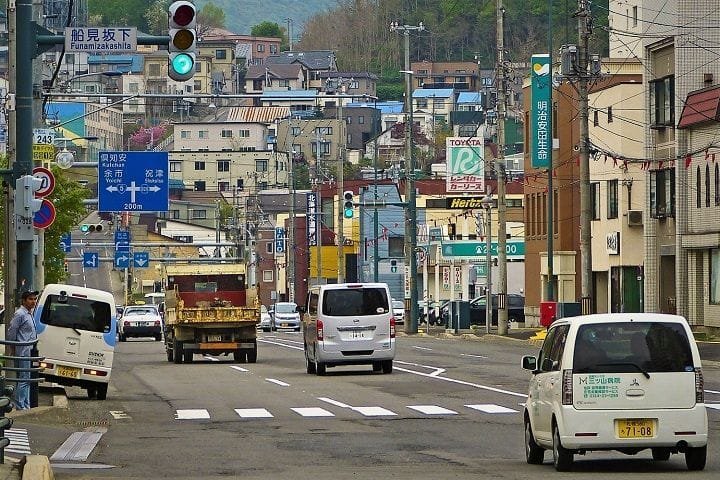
211,16
113,13
272,30
156,16
68,199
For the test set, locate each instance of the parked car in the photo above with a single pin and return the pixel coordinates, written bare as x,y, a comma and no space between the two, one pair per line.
619,381
398,308
515,307
286,316
265,319
140,321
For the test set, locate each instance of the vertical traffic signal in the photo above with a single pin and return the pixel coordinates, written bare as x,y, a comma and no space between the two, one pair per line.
25,202
348,207
182,17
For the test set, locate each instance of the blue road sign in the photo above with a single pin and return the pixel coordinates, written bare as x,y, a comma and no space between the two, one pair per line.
66,242
122,240
122,259
133,182
141,259
91,260
279,240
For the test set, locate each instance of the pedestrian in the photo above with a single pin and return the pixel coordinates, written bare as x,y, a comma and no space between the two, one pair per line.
22,329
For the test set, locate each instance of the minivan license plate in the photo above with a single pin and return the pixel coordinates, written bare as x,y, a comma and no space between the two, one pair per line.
635,428
68,372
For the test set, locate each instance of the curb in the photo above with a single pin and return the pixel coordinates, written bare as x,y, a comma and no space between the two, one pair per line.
36,467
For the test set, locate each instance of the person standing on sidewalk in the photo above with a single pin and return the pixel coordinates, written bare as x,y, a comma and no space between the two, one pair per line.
22,329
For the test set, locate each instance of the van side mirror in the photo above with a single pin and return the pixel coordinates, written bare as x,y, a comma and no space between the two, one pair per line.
529,362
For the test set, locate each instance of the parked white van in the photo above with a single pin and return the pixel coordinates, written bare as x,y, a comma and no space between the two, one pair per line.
76,335
349,324
621,381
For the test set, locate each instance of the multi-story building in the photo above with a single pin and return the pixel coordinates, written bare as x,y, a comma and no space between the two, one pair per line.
460,76
260,78
305,138
313,63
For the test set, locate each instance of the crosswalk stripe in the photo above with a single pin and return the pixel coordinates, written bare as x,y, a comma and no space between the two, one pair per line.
19,441
432,410
312,412
253,413
374,411
714,406
192,414
491,408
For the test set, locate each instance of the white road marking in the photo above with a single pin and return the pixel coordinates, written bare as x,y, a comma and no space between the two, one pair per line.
334,402
277,382
374,411
239,369
462,382
281,344
19,441
474,356
77,447
432,410
712,391
714,406
253,413
313,412
211,358
436,370
491,408
119,414
422,348
192,414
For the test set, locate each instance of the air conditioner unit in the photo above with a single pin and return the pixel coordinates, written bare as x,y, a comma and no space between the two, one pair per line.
635,218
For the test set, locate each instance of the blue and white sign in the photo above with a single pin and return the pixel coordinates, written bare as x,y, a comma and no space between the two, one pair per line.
133,181
97,40
122,259
91,260
66,242
141,259
312,220
279,240
122,240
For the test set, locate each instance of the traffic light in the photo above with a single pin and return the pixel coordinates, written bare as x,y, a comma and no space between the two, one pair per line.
348,207
25,202
91,227
182,17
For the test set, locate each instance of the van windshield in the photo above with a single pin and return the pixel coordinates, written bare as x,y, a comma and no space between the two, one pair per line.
625,347
348,302
77,313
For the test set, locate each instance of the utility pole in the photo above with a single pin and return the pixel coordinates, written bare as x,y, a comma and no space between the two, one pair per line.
411,311
340,190
318,214
290,248
585,200
500,172
289,22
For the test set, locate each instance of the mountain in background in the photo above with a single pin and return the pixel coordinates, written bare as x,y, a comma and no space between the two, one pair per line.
242,15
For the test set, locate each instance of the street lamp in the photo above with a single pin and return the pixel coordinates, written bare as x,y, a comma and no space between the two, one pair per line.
487,204
65,158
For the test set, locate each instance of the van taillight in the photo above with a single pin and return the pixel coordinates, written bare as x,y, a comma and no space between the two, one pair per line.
127,324
157,323
567,387
319,330
392,327
699,386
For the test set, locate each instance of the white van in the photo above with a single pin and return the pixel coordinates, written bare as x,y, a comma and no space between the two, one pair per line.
76,335
620,381
349,324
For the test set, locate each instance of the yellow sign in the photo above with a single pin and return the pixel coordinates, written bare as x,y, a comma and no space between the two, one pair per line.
42,152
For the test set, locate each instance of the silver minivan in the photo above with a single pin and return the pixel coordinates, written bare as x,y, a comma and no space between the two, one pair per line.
349,324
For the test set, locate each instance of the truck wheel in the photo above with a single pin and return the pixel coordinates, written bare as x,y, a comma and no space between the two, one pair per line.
187,356
177,352
239,356
252,355
102,391
169,353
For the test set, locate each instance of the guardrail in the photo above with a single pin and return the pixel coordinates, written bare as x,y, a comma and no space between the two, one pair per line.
7,391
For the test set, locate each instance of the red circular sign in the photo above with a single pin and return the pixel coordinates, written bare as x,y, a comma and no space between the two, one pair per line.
48,181
45,216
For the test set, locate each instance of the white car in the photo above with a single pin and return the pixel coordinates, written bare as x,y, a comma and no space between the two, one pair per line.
140,321
265,319
398,308
286,316
620,381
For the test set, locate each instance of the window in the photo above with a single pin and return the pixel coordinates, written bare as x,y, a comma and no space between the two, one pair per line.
226,134
662,102
199,165
634,16
295,131
223,165
269,248
69,58
396,246
596,120
198,214
662,193
296,148
717,185
348,120
324,148
203,134
273,48
715,276
707,185
244,133
221,54
595,200
261,165
612,199
175,214
176,166
698,188
260,47
154,69
185,134
199,186
223,186
421,103
348,302
323,131
267,276
610,115
284,83
77,313
361,119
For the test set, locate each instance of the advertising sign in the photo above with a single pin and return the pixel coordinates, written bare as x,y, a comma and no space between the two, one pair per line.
541,111
311,219
465,164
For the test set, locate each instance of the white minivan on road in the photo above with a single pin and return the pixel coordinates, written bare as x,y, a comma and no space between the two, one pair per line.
619,381
349,324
